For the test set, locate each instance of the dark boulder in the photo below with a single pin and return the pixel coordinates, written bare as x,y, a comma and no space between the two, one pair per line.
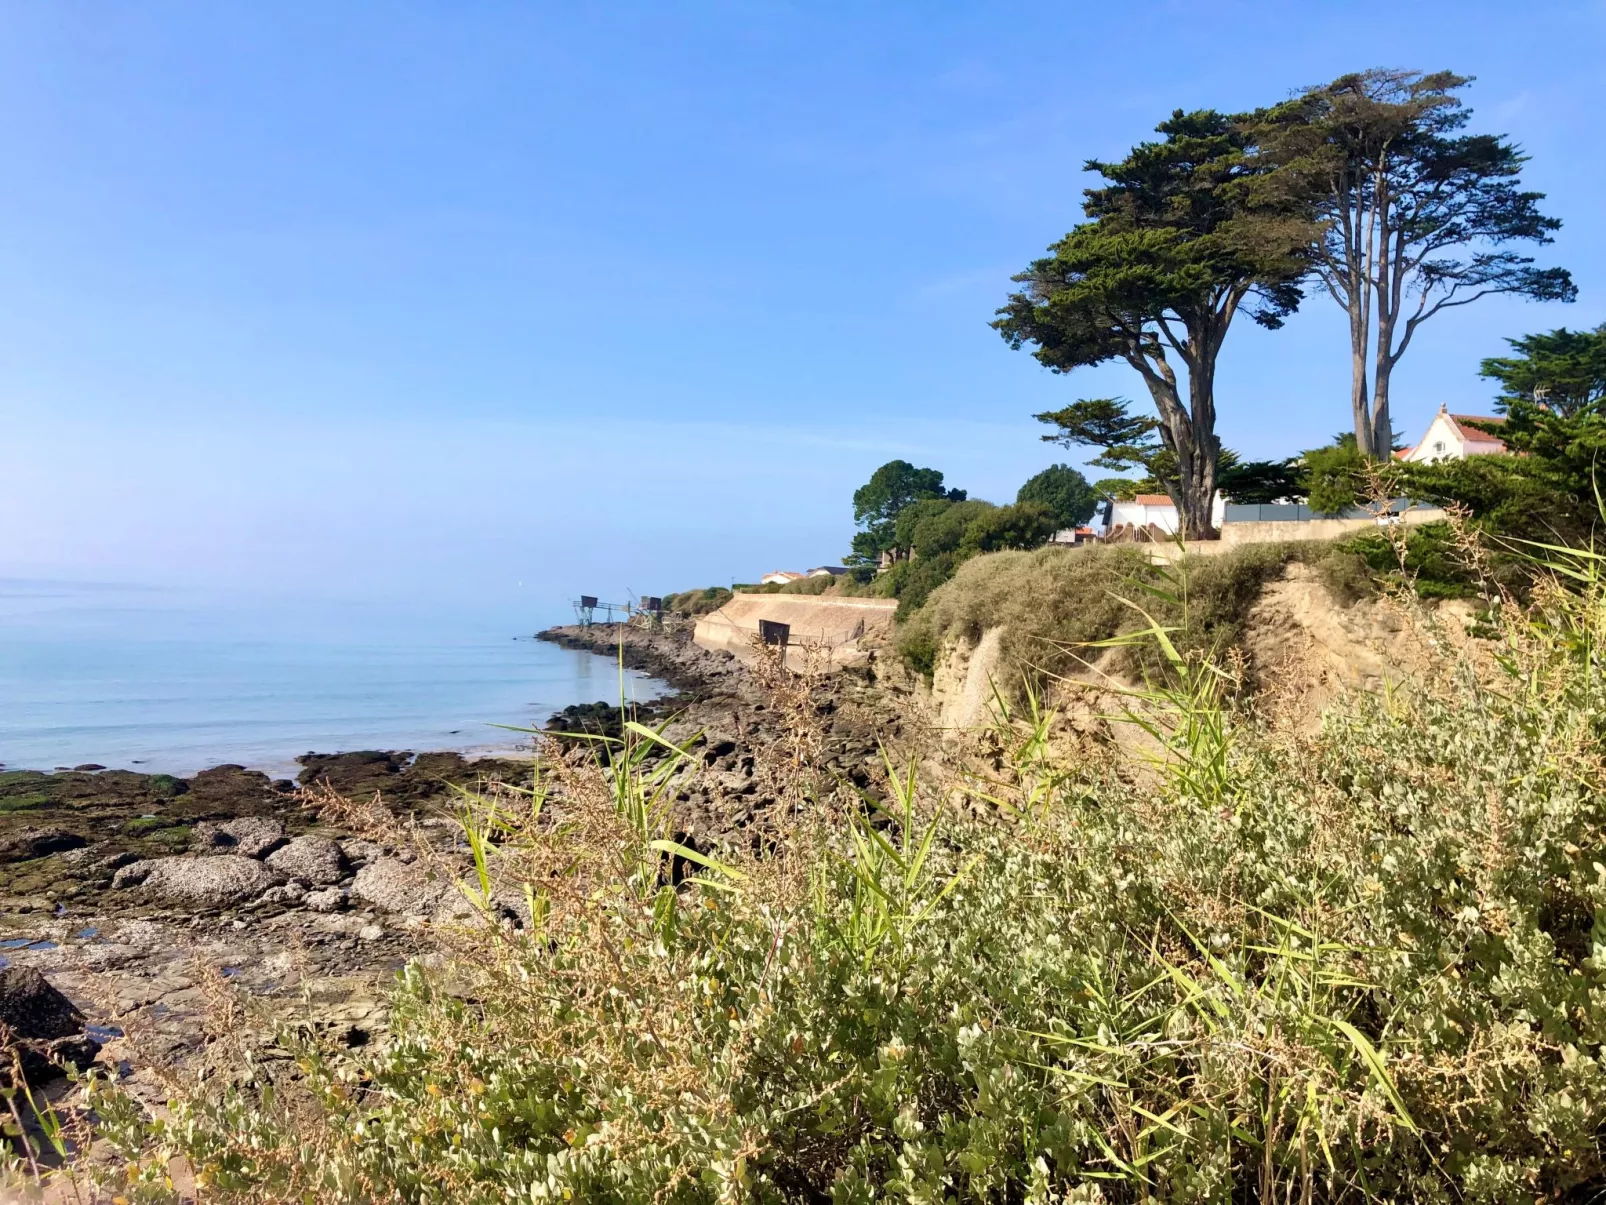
34,1009
28,843
48,1028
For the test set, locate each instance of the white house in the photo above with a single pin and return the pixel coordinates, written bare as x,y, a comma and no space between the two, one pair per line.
1154,513
826,571
1449,438
780,577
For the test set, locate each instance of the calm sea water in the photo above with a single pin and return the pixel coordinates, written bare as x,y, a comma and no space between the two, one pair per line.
160,681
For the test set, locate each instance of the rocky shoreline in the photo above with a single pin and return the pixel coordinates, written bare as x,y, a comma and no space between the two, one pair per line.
733,722
127,900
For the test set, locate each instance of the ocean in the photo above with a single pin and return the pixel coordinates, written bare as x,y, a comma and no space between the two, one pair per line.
167,681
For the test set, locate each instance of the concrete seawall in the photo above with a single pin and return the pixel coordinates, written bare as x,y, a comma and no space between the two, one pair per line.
834,626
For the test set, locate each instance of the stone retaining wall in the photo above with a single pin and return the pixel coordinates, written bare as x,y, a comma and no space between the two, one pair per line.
833,628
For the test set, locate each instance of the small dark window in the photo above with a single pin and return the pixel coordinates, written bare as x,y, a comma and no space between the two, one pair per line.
771,632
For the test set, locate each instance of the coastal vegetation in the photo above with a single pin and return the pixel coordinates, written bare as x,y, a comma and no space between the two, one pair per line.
1262,964
1054,605
692,603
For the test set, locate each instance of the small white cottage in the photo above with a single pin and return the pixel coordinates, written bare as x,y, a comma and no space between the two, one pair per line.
1449,438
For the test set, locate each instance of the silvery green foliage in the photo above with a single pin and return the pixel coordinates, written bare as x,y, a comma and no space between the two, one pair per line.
1369,965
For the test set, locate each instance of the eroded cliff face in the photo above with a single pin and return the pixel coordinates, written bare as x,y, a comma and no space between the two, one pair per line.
962,682
1303,649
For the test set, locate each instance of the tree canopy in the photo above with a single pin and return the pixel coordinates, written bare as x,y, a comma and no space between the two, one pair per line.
1263,481
1563,370
1415,216
877,503
1127,440
1175,245
1065,492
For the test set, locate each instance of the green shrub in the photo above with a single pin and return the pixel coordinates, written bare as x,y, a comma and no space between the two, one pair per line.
1434,560
1335,477
810,585
1054,599
692,603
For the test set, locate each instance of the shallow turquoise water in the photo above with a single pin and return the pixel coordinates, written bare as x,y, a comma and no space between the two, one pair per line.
155,681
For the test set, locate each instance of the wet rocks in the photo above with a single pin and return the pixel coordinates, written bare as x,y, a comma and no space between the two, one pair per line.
93,862
247,836
290,894
34,1009
405,781
316,861
234,790
212,882
359,851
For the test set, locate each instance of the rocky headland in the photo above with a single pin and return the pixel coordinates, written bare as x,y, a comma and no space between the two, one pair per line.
742,725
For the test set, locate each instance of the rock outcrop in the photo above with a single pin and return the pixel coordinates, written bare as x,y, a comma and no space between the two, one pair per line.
215,881
392,885
29,843
315,861
248,836
48,1028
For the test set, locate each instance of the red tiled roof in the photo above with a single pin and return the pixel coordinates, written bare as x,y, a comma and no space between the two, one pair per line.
1473,433
1153,500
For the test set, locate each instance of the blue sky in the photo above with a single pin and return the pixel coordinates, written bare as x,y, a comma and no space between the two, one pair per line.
481,305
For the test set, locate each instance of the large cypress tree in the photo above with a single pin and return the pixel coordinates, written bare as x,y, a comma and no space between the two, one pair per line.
1416,216
1177,242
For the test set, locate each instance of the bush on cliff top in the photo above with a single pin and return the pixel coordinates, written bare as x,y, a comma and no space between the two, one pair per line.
692,603
1368,964
1052,599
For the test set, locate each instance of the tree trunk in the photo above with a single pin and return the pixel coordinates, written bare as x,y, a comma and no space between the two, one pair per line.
1382,426
1199,484
1199,498
1191,436
1360,402
1190,433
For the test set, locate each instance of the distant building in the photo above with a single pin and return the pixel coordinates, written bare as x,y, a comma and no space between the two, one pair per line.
826,571
780,577
1074,536
1151,516
1449,438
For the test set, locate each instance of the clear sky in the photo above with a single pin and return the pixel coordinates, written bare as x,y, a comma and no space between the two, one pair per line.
480,305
